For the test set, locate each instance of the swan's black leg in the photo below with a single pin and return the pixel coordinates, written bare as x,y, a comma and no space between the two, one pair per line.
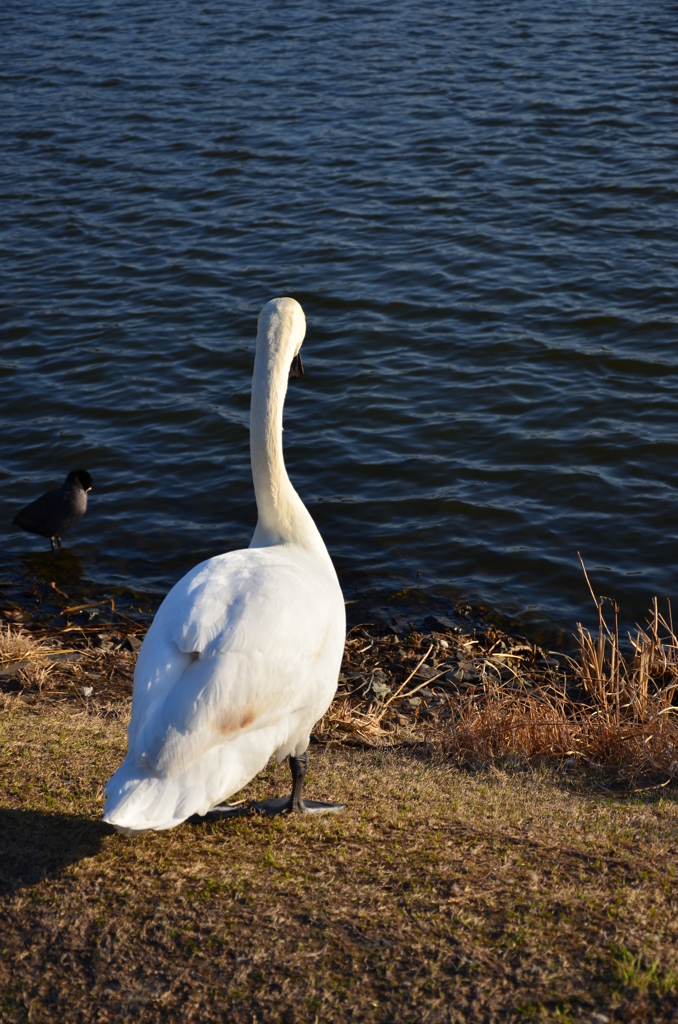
299,767
277,805
296,803
51,540
59,541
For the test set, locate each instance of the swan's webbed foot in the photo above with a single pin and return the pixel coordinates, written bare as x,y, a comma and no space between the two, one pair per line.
295,804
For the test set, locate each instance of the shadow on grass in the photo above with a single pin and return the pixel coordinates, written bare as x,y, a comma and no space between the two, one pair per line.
36,845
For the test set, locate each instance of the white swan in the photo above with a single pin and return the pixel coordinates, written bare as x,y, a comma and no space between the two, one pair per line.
243,656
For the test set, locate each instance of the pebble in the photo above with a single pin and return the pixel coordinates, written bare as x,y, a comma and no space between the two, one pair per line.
87,691
462,675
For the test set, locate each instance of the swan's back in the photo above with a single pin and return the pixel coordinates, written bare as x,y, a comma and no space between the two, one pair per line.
241,660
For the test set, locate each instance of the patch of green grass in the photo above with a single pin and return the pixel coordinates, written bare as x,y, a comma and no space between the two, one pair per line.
632,971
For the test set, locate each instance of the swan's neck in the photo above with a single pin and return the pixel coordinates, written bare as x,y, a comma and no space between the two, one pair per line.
283,517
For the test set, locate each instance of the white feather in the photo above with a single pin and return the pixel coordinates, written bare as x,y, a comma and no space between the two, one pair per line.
243,656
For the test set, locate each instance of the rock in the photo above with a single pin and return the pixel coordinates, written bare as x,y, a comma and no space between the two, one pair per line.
425,692
65,656
426,672
462,676
8,671
500,667
133,643
448,665
11,671
440,623
414,702
87,691
381,689
16,615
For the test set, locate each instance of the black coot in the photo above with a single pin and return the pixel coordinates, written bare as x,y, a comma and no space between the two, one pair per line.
53,513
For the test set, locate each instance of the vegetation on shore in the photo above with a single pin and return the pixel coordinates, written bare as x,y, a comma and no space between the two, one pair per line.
508,852
479,696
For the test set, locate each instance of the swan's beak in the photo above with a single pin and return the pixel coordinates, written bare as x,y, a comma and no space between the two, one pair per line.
297,368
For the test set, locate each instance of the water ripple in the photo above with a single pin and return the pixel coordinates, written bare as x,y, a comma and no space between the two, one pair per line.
476,207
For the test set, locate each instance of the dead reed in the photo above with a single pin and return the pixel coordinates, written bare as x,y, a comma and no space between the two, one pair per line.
488,698
477,696
17,645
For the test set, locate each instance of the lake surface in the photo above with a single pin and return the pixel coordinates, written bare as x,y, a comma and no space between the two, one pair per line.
476,205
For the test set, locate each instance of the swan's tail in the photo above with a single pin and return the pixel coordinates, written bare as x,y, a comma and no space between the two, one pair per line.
136,802
139,799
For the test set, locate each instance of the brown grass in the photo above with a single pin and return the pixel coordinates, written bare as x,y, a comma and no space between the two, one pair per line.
482,872
478,698
16,644
439,896
490,698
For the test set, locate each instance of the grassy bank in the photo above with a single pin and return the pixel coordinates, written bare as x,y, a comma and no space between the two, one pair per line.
440,895
508,852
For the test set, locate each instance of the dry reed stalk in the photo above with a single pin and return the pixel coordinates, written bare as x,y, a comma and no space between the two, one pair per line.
604,710
403,685
489,696
18,645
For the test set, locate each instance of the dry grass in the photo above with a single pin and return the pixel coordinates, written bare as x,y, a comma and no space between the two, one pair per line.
480,872
87,666
487,698
478,697
16,644
439,896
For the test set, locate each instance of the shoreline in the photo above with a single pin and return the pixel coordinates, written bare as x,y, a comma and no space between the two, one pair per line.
459,687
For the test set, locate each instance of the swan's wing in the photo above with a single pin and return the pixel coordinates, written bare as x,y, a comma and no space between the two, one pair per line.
245,640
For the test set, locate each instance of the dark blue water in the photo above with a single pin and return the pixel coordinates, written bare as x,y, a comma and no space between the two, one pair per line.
476,205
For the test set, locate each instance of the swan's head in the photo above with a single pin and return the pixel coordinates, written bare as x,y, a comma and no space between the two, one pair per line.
283,325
